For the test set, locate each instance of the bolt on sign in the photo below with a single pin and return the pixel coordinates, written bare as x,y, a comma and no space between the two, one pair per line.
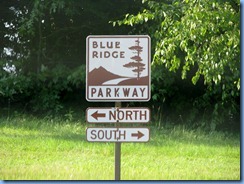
118,115
117,134
118,68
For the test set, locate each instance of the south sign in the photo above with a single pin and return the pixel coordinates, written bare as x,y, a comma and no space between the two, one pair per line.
118,68
117,134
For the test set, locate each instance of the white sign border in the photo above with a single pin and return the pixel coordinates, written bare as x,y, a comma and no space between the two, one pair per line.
149,69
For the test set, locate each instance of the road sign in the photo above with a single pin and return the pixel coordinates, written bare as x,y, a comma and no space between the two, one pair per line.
118,68
117,134
118,115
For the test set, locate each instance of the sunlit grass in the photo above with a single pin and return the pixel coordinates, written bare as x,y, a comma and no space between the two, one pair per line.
49,149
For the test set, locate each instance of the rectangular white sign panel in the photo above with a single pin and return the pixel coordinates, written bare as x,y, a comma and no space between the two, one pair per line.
118,68
117,134
118,115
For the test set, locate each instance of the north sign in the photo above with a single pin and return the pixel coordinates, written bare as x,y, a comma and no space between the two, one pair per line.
117,134
118,115
118,68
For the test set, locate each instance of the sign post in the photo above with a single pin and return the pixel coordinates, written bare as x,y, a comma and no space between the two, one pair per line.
118,70
117,151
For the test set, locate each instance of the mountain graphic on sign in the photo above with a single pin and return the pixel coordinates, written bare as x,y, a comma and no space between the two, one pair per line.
100,75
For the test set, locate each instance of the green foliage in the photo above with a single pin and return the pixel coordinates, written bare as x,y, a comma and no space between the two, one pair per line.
54,32
47,44
42,92
77,76
51,84
199,38
198,33
162,77
48,86
12,84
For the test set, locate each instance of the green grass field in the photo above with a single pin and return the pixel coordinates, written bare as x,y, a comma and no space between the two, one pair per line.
45,149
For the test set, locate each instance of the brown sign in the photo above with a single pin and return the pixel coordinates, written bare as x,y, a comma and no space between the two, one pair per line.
118,68
118,115
98,134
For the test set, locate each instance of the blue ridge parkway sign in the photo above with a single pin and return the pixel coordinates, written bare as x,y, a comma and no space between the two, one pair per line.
118,68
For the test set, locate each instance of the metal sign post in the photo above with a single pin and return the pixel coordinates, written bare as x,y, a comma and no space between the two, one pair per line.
118,70
117,152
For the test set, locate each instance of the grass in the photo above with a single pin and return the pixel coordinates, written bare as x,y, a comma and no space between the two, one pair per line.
47,149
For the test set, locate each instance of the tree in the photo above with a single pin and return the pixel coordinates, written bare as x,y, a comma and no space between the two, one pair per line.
139,67
47,33
42,55
197,36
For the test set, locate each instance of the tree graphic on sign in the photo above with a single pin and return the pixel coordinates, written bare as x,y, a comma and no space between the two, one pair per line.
139,67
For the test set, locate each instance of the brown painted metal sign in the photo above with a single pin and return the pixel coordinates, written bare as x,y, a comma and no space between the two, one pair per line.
118,68
96,134
118,115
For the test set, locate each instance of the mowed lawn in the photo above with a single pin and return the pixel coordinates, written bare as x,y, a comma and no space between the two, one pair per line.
45,149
